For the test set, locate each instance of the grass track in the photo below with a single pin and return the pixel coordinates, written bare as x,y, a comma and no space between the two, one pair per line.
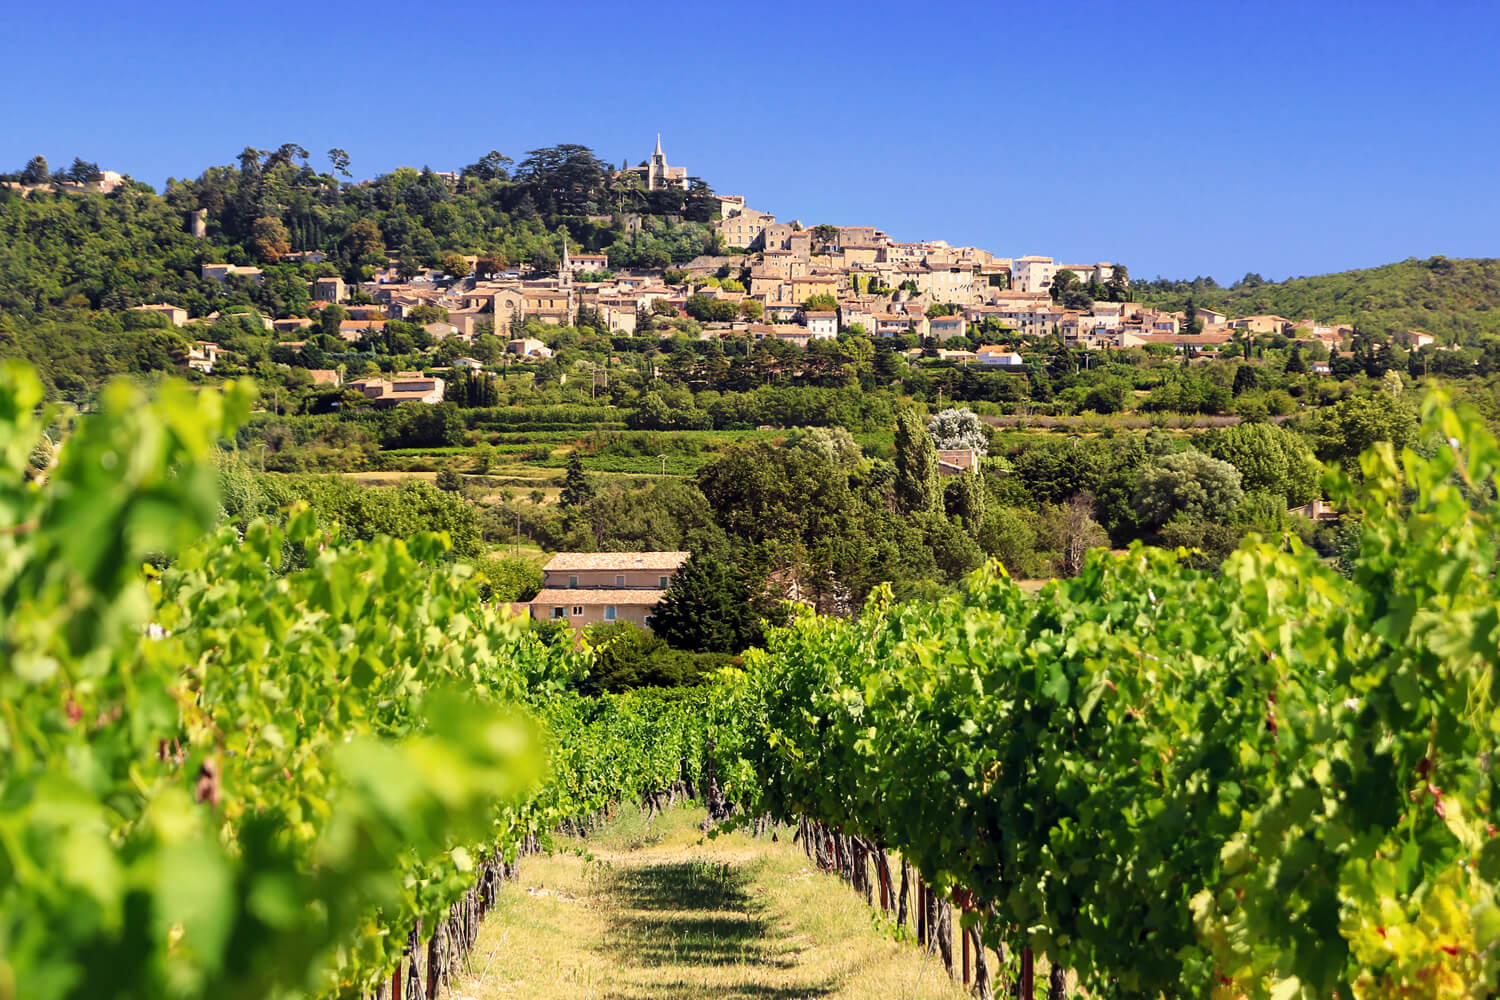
657,911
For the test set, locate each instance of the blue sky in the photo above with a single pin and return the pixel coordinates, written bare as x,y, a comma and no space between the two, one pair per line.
1181,138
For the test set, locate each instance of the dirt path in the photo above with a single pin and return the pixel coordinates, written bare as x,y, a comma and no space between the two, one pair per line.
650,911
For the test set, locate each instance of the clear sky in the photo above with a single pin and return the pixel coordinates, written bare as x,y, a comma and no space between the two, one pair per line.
1181,138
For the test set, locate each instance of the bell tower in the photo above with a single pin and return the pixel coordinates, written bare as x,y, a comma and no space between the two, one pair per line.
656,175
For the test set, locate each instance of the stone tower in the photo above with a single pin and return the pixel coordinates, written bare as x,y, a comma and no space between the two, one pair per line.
656,175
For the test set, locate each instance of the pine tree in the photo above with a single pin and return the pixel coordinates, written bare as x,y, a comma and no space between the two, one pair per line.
917,487
708,609
576,491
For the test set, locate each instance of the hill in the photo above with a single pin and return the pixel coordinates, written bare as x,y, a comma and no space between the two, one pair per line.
1457,301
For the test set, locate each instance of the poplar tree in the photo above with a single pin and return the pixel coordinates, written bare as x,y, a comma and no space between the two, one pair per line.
917,486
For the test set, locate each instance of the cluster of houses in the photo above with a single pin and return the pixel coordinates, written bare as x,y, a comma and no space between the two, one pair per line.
859,277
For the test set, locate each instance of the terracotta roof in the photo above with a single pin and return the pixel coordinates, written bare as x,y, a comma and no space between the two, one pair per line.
565,561
579,596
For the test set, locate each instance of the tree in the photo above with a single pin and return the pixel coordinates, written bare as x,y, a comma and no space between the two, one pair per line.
330,318
958,427
821,303
449,480
627,657
507,578
492,166
576,491
1069,292
1270,459
35,171
83,172
339,160
1010,535
1391,385
363,242
1187,483
1294,362
270,239
1192,326
455,265
1245,379
964,497
824,236
1074,531
1118,286
835,445
917,487
708,310
708,609
1342,432
284,154
751,309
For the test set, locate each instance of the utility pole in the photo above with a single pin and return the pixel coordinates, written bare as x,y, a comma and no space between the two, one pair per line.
518,534
663,464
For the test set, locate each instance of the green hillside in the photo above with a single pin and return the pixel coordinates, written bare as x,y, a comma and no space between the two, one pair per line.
1455,300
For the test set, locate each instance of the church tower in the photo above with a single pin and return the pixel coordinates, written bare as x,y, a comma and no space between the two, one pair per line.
656,176
565,269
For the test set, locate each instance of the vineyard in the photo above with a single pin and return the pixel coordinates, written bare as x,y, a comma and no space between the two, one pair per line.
226,775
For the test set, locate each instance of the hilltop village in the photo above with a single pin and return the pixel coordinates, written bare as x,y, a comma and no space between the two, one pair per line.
767,279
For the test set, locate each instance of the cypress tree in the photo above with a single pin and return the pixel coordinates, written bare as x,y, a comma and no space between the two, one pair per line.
576,491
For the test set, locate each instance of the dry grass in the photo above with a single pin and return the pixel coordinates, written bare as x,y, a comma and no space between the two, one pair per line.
388,478
642,911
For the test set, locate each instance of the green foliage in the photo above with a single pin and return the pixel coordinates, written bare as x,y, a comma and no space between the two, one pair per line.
627,657
709,609
917,486
226,777
1345,431
1268,780
1451,299
576,491
367,512
710,310
503,579
1269,458
1188,483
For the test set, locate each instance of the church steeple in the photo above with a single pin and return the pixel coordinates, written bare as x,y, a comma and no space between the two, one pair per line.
658,144
565,270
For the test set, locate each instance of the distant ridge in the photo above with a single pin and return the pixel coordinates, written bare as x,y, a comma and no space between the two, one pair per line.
1456,300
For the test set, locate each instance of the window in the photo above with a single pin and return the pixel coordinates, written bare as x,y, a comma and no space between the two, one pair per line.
559,613
662,583
572,581
619,581
609,612
577,611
